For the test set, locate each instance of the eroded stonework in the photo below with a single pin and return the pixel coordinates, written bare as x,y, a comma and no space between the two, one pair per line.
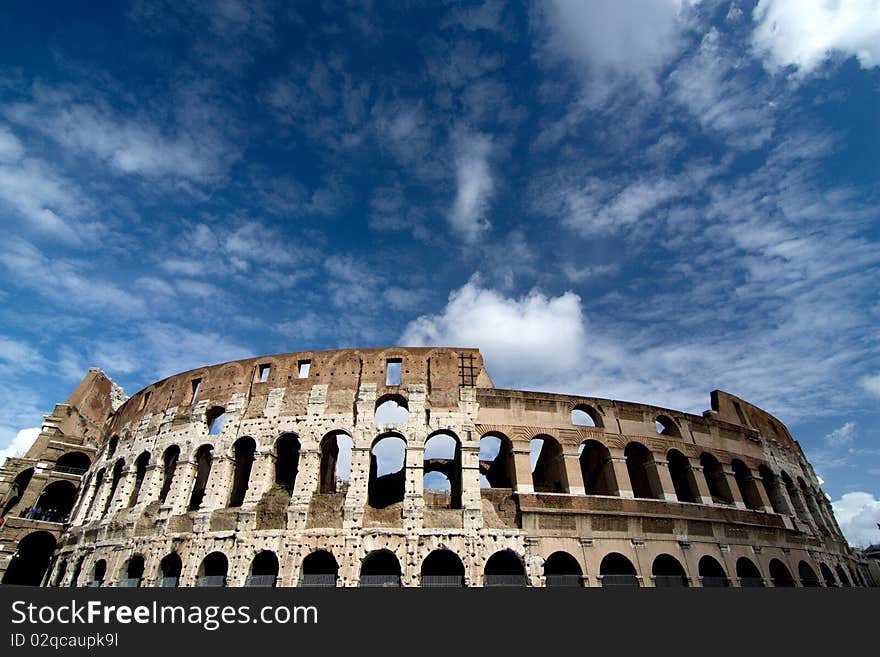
632,493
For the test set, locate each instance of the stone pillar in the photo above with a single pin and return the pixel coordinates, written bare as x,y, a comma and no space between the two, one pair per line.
471,497
152,484
661,480
177,500
80,515
766,505
356,498
413,490
621,473
702,484
574,475
219,483
733,485
523,467
261,478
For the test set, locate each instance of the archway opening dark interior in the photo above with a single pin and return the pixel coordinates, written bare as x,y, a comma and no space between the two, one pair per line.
504,568
387,472
169,570
807,575
140,472
748,488
748,574
548,471
779,574
335,463
712,573
441,470
380,568
212,572
204,456
642,471
668,571
597,469
496,462
617,570
562,569
773,490
319,569
442,568
115,478
287,450
133,573
99,572
243,453
264,570
56,502
827,575
169,465
31,560
19,485
73,463
716,480
682,475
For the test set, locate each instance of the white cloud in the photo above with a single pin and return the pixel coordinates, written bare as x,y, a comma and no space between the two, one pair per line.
11,149
474,186
857,514
20,444
805,33
872,384
842,435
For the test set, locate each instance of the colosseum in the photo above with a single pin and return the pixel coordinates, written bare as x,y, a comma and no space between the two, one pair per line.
407,467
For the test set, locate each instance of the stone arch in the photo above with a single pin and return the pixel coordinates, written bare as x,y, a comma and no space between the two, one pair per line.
73,463
169,465
213,570
336,449
667,571
496,461
387,479
562,569
794,496
287,452
442,461
203,457
712,573
597,469
813,508
264,570
584,415
716,480
112,444
779,574
774,492
391,409
19,485
170,569
56,501
842,577
99,572
243,453
380,568
548,469
215,419
100,481
748,574
140,472
504,568
319,569
666,426
748,488
807,575
642,472
682,474
617,570
442,568
132,572
31,560
827,575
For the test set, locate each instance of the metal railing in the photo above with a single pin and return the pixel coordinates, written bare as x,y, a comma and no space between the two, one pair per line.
751,582
69,469
810,581
380,580
563,580
442,581
261,580
619,580
318,580
167,582
505,580
670,581
130,582
210,580
713,581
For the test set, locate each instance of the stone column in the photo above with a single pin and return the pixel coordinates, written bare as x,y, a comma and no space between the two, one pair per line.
356,498
733,485
413,490
261,478
219,483
573,474
523,467
661,479
303,488
766,505
152,483
621,473
702,484
471,497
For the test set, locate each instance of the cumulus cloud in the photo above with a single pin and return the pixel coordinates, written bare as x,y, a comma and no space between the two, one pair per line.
20,444
804,34
842,435
857,514
474,187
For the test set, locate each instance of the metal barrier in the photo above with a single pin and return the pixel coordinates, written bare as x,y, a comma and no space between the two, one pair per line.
69,469
380,580
505,580
261,580
713,581
563,580
131,582
318,580
167,582
211,580
666,581
442,581
751,582
619,580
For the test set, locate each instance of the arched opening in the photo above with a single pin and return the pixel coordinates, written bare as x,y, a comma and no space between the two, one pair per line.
807,493
169,465
666,426
842,577
335,463
169,570
55,502
19,485
380,568
212,571
243,452
99,572
683,480
748,574
287,449
827,575
748,489
668,571
204,455
215,418
441,469
779,574
496,462
391,409
795,497
112,444
773,490
74,575
642,472
548,465
264,570
807,575
855,577
442,568
562,569
73,463
387,472
712,573
584,415
115,478
133,572
617,570
140,472
716,480
31,560
504,568
597,469
319,569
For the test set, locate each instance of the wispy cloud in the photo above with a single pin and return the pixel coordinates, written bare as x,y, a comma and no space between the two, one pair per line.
475,185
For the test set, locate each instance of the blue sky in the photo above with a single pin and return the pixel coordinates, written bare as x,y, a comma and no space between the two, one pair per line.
643,201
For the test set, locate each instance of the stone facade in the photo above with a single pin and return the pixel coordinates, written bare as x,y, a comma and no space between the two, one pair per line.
227,475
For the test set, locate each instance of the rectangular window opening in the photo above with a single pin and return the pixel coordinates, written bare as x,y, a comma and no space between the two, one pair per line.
263,372
145,400
304,366
196,383
392,371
